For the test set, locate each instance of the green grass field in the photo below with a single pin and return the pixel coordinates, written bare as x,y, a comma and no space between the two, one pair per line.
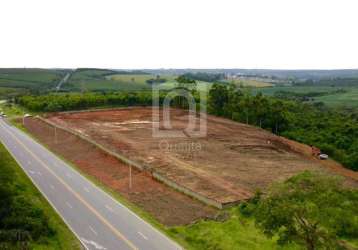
348,99
62,237
104,80
29,78
97,80
6,92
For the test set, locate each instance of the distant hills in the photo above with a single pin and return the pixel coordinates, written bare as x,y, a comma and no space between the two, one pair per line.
269,73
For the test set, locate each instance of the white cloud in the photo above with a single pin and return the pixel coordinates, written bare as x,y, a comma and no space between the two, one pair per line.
179,33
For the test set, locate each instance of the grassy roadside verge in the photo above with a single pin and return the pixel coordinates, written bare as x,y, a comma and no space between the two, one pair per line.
35,211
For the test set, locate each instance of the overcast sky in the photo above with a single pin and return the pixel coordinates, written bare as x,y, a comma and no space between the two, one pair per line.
289,34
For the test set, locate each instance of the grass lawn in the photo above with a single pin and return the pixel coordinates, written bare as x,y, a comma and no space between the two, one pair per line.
62,237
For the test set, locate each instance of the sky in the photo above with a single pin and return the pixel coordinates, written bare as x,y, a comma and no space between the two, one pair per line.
276,34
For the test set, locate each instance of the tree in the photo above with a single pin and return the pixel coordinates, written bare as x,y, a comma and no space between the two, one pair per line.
260,106
233,108
310,209
246,105
218,99
278,115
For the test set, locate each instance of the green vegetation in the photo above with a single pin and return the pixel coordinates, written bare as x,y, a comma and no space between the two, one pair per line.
231,230
7,93
204,77
245,82
136,79
339,82
343,99
62,102
36,80
310,209
333,96
89,74
27,221
87,80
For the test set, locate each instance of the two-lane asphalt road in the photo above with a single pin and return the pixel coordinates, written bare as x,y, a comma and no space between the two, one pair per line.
98,221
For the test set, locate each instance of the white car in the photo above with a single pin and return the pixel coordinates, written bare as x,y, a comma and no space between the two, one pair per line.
323,156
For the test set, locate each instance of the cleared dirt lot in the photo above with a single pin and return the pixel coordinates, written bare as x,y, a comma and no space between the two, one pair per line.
165,204
228,165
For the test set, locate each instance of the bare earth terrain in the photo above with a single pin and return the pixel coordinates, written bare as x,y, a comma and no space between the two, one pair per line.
165,204
228,165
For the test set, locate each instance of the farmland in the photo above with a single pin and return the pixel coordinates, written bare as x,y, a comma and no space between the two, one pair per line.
30,78
108,80
251,83
348,99
332,96
233,161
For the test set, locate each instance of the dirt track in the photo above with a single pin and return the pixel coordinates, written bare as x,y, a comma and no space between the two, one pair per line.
232,162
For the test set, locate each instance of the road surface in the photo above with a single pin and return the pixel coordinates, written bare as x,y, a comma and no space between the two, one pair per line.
97,220
63,80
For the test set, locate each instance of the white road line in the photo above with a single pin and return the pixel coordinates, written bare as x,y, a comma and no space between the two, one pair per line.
109,208
39,173
145,237
92,243
69,205
93,230
32,172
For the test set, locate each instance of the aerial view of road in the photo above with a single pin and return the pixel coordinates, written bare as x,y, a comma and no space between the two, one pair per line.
98,221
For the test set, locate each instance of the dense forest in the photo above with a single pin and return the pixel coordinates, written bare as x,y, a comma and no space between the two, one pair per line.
334,132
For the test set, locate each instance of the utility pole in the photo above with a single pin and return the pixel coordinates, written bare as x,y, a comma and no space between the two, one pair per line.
55,134
130,176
